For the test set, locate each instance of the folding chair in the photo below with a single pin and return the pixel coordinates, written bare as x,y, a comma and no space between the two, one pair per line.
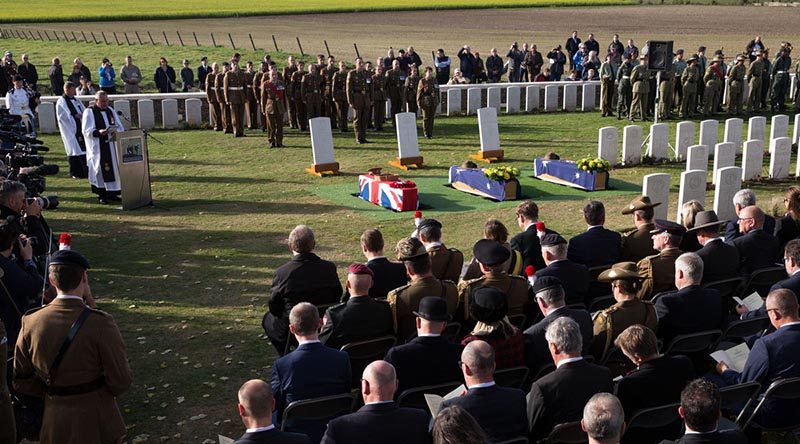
362,353
653,425
318,409
567,433
726,287
738,398
415,397
762,280
511,377
693,343
787,389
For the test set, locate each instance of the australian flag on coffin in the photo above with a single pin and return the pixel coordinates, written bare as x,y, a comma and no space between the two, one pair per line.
397,195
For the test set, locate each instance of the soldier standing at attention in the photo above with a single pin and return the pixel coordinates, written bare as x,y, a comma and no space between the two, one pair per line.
290,69
379,97
753,77
339,87
689,81
311,88
410,93
641,87
371,72
235,96
702,62
358,98
765,78
625,92
665,92
427,100
214,111
328,105
272,99
258,79
710,78
251,105
736,85
607,76
780,79
223,104
678,66
395,84
299,108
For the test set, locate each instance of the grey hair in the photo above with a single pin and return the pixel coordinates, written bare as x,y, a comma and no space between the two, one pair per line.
559,251
565,334
603,417
691,265
553,295
301,239
744,198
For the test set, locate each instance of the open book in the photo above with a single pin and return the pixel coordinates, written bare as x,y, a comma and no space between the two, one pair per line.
435,401
734,357
752,302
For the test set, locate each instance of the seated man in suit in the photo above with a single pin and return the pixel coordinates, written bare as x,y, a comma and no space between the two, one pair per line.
380,420
791,262
361,317
638,244
741,200
550,298
757,248
307,278
700,410
560,396
446,262
527,242
574,277
603,419
720,260
658,272
657,380
387,275
500,411
255,408
405,300
692,308
311,371
429,358
773,357
597,245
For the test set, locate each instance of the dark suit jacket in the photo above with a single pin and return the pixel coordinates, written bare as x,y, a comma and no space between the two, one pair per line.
596,246
388,276
536,352
500,411
732,228
720,261
560,396
527,243
273,436
384,423
791,283
439,360
298,376
724,437
23,283
689,310
654,383
786,229
757,249
574,278
358,319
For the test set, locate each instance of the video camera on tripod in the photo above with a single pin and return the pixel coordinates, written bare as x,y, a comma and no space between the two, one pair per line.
22,161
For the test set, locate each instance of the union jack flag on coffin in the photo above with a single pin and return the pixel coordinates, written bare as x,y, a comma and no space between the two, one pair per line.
397,195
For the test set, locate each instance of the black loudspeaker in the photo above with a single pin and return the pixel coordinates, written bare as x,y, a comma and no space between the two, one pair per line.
659,56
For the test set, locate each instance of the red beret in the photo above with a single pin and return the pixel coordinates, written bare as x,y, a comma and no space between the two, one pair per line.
360,269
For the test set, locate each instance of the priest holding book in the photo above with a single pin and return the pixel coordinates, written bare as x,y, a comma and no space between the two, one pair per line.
100,124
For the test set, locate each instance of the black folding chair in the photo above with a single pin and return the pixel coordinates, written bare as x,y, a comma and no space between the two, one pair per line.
788,389
518,320
318,409
726,287
415,397
567,433
362,353
653,425
617,362
735,399
762,280
737,330
544,370
520,440
693,343
452,331
511,377
597,288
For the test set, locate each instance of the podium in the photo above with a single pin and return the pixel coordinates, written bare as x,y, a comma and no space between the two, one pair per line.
134,169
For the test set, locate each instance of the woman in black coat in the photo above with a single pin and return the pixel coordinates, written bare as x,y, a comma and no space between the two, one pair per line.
164,77
788,226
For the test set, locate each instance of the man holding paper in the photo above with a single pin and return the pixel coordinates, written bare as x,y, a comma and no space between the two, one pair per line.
100,124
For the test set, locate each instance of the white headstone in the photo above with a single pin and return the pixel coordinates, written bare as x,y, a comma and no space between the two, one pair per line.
779,126
169,113
780,155
708,133
796,134
697,158
321,140
194,112
632,145
473,100
47,118
147,118
733,133
607,141
493,97
487,127
512,99
693,187
658,148
531,98
454,102
756,128
656,187
551,98
588,97
752,159
724,156
406,127
124,106
684,138
729,181
570,96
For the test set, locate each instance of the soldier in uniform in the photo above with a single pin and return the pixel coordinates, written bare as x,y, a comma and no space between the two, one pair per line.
251,105
328,105
405,300
258,79
658,271
288,71
298,107
410,92
666,90
624,81
689,82
8,427
736,86
765,77
446,262
78,390
214,110
640,81
311,88
234,84
273,94
678,66
378,97
780,79
797,86
339,93
702,62
358,97
609,323
753,77
223,105
395,84
427,100
638,244
607,75
712,80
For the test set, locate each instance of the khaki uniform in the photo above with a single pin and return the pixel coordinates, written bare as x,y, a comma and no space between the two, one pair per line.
658,272
235,84
95,367
410,93
689,82
299,106
515,287
214,111
713,82
223,105
404,300
427,100
358,97
607,75
339,86
311,88
251,105
625,92
641,89
638,244
609,323
274,110
8,427
665,91
328,104
736,88
395,86
378,100
446,262
258,79
753,77
290,105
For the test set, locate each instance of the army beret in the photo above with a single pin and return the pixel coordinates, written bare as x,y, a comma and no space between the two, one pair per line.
490,252
489,305
360,269
69,257
552,239
668,226
433,308
424,223
545,283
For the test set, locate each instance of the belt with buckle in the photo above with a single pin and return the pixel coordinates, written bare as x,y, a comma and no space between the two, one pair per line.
235,88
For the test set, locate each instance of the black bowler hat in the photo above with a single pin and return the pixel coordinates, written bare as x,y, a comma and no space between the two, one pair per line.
490,252
424,223
69,257
433,308
668,226
488,305
545,283
552,239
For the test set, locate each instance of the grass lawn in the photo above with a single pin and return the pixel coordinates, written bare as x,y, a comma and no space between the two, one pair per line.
188,279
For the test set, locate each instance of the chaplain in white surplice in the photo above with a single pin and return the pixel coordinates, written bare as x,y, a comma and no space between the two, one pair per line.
100,124
69,112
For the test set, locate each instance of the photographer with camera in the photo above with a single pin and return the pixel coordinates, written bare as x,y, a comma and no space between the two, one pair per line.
28,213
69,112
21,282
107,76
99,125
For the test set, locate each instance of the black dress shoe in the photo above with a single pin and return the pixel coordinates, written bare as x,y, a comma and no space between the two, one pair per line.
114,198
102,201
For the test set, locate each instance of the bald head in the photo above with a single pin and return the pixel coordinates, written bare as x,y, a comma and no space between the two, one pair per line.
782,306
478,356
750,218
255,397
379,382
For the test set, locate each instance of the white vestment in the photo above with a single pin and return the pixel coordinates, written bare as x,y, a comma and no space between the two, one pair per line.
68,126
93,150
